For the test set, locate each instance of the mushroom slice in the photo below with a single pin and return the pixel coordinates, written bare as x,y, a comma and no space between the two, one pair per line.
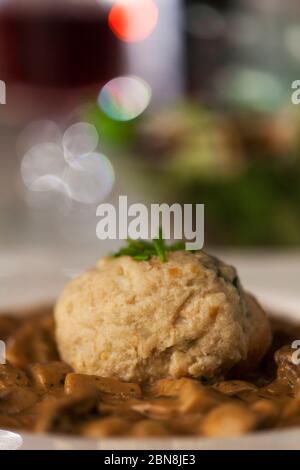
287,370
66,414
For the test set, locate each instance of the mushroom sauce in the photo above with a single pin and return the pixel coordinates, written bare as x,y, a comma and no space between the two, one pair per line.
40,393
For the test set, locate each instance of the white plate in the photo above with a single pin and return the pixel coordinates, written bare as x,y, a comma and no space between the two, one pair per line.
287,439
274,279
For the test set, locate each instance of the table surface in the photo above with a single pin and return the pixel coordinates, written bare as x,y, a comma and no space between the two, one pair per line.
35,275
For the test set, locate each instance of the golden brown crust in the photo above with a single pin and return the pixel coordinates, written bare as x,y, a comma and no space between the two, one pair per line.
140,321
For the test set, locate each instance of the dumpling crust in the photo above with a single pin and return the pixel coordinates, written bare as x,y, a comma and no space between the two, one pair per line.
141,321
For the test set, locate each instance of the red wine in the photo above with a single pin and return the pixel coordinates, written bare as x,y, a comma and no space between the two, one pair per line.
49,45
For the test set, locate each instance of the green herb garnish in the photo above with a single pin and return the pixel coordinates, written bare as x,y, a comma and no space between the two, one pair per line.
141,250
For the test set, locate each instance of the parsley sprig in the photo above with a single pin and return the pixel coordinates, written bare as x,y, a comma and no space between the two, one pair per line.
141,250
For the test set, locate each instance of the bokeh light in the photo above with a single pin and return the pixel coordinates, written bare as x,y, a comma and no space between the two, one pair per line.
90,178
133,20
80,139
51,183
41,164
125,98
38,132
252,89
70,168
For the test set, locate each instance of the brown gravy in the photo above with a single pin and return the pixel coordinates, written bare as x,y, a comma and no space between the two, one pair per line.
40,393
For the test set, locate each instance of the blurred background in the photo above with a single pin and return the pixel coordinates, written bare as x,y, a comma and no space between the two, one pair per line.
162,100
